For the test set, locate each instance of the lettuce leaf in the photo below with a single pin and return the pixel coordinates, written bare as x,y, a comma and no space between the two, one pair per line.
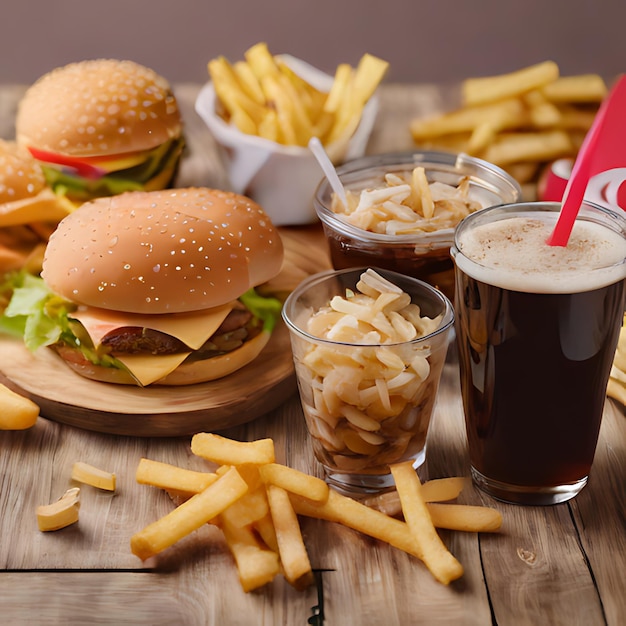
64,181
35,313
266,309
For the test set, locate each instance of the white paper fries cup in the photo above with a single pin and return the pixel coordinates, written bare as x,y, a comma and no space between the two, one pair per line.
282,179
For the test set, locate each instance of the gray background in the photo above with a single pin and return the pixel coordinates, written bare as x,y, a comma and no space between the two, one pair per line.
424,40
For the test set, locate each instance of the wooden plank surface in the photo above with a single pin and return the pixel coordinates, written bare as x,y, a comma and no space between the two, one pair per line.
548,565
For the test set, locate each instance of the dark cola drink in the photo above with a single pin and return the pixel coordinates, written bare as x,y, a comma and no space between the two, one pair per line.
537,328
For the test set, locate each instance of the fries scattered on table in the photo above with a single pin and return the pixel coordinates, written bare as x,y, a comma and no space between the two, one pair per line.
519,121
17,412
262,95
59,514
256,502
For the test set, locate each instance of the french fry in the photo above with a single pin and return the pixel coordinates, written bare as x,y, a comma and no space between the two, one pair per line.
61,513
524,171
249,509
224,451
265,528
256,565
291,548
543,114
89,475
436,490
528,146
616,387
619,360
337,92
283,106
351,90
503,114
481,137
261,61
173,478
249,472
573,118
490,88
268,126
357,516
616,390
294,481
439,560
189,516
249,82
369,73
17,412
583,88
465,517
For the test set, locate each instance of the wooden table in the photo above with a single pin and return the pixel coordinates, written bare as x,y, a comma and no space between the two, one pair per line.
563,564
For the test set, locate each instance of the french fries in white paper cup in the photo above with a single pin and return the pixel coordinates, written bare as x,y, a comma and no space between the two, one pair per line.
281,177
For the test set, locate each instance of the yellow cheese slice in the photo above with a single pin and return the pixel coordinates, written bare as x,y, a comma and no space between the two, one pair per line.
193,328
148,368
44,207
120,162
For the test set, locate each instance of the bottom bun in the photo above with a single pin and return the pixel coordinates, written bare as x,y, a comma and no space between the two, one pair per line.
191,373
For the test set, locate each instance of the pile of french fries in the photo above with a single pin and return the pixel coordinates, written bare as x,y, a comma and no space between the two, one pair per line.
256,503
616,388
262,95
520,121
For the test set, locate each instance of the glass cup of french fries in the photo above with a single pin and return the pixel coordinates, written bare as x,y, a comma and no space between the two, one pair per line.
369,347
403,208
263,110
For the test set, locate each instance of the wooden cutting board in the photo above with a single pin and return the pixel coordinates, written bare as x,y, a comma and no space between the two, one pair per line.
155,411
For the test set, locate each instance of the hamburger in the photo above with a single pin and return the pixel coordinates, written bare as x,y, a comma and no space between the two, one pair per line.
29,210
155,287
102,127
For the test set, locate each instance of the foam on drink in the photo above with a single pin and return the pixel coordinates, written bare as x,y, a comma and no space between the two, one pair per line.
513,254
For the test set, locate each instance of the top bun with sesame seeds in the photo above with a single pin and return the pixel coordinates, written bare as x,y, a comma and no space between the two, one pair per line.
102,127
160,285
20,175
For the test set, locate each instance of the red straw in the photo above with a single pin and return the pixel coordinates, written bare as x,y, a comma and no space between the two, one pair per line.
603,149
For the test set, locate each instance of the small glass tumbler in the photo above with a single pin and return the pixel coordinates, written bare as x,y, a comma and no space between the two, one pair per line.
367,405
423,255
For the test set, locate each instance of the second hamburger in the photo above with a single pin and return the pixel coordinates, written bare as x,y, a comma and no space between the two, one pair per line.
102,127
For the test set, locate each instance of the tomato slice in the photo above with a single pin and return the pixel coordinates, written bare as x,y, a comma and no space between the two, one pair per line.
78,165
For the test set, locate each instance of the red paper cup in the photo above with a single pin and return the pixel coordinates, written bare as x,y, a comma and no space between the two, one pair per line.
607,188
552,187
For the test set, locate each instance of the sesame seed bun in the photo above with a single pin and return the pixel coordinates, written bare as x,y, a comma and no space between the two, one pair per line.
166,251
20,175
98,107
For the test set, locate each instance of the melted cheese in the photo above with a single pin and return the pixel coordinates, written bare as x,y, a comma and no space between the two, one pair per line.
193,328
148,368
45,207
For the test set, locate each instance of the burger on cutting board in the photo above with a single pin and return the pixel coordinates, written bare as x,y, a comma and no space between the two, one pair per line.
102,127
154,287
